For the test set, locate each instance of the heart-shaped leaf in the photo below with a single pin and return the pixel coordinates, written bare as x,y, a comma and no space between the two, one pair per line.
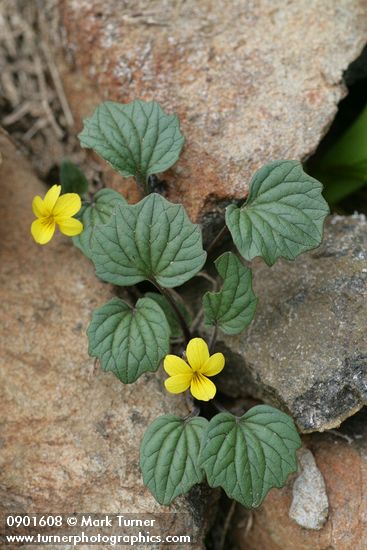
169,456
247,456
233,308
96,213
174,324
283,216
152,240
137,139
129,341
72,178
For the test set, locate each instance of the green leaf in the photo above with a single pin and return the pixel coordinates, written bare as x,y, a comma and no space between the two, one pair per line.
169,456
129,341
283,216
174,324
350,151
339,186
153,240
72,178
343,168
233,308
137,139
247,456
96,213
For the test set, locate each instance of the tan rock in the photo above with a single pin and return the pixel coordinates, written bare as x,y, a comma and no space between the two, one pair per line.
342,459
70,433
251,81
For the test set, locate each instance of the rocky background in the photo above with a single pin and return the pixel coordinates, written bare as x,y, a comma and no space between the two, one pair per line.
251,81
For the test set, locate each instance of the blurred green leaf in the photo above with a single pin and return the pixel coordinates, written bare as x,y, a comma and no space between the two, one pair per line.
72,178
343,169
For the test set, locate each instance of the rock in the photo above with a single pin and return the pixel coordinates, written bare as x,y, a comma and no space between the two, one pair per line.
342,459
306,350
310,506
70,433
250,81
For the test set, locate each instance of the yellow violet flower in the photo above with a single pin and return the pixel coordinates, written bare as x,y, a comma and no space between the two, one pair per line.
193,374
53,210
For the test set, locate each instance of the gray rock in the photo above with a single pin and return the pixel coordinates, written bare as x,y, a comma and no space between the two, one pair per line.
310,506
306,350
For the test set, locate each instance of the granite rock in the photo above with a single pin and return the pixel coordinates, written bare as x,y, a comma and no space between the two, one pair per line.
310,506
70,433
250,81
306,350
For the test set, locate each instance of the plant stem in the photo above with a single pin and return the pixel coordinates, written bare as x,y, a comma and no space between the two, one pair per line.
196,322
226,525
166,293
217,239
195,412
206,276
143,184
213,339
219,406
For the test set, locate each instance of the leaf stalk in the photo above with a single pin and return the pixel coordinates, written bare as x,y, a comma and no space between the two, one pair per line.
166,293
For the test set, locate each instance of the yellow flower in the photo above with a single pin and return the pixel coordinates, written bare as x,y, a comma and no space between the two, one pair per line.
194,374
53,210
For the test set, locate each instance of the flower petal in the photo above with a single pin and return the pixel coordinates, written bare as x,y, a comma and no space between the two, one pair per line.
202,388
67,205
38,207
51,197
70,226
178,383
214,365
175,365
42,230
197,353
